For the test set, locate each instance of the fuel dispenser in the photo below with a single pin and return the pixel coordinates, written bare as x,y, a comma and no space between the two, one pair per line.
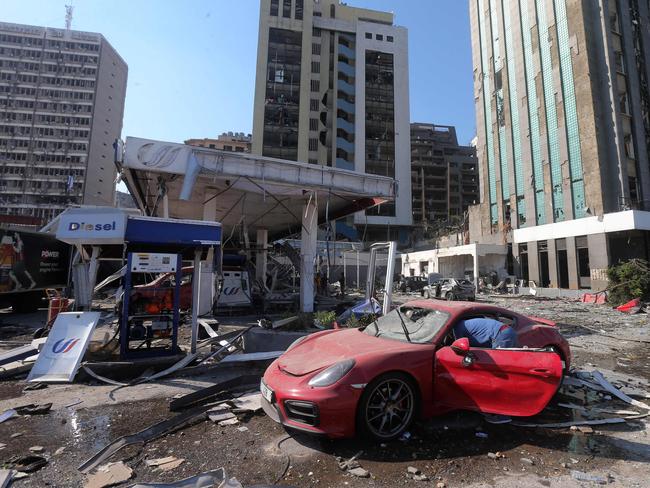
149,319
149,324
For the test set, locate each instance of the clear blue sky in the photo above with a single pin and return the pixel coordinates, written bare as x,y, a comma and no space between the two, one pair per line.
192,62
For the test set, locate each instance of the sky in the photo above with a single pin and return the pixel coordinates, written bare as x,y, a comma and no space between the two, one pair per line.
192,62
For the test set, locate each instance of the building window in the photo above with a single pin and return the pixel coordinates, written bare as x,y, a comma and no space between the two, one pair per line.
315,85
239,149
380,121
315,67
379,37
315,48
368,35
629,146
332,11
623,103
313,144
281,108
212,146
313,105
298,10
274,7
313,124
286,8
389,38
582,254
315,32
227,148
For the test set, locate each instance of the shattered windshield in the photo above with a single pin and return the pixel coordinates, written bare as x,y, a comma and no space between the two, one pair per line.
422,324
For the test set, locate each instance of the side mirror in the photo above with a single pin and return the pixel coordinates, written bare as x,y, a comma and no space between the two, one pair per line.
461,346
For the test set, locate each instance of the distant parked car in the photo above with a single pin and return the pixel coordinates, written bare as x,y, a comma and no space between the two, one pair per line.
450,289
412,283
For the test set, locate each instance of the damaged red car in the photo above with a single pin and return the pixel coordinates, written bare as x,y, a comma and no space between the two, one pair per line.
376,380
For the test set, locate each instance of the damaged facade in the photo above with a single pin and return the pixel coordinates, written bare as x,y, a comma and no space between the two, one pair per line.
62,98
563,119
332,89
444,175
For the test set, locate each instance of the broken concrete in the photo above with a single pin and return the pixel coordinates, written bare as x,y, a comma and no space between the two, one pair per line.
108,475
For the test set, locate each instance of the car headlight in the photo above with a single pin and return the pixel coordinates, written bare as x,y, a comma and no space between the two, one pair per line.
332,374
295,343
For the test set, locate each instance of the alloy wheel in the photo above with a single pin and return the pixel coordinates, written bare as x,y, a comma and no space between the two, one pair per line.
389,408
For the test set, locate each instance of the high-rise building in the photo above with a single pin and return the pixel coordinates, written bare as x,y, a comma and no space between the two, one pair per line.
228,141
563,120
444,175
332,89
61,106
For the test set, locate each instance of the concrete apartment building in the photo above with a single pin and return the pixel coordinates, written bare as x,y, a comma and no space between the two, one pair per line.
444,175
61,105
332,89
563,119
228,141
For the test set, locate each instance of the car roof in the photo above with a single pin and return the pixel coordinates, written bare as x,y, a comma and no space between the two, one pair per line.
455,308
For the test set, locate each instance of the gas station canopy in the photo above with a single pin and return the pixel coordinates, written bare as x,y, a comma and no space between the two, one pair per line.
188,182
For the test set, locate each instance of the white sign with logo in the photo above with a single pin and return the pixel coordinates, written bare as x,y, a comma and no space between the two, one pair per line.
65,347
92,226
158,156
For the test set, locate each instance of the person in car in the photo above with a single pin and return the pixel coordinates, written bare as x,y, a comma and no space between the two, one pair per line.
486,332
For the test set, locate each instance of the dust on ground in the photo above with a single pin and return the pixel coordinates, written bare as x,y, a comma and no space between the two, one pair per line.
446,449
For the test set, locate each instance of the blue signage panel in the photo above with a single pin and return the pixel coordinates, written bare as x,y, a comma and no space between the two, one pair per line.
148,230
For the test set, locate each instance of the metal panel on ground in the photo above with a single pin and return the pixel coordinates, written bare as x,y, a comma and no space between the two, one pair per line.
65,346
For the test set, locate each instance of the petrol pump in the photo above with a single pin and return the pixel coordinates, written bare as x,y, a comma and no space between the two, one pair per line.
149,327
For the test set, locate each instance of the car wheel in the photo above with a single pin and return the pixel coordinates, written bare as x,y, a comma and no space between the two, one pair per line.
449,296
387,406
407,289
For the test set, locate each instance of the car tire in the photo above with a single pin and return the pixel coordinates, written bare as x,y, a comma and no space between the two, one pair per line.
374,411
407,289
449,296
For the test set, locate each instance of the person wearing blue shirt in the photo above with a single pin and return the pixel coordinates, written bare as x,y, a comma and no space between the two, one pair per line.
486,332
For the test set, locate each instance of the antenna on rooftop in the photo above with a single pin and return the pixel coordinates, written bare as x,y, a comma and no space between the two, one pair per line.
68,16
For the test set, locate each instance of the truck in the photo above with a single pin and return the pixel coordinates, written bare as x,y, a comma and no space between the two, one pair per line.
30,263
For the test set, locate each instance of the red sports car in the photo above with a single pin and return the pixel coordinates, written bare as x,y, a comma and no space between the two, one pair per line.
407,364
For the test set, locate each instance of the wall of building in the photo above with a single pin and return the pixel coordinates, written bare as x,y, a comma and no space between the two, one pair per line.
563,124
322,118
62,97
108,113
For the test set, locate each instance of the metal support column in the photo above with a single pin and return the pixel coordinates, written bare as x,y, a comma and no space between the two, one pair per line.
196,280
261,239
308,254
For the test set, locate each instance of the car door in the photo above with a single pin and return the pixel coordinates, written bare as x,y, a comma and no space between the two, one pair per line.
518,382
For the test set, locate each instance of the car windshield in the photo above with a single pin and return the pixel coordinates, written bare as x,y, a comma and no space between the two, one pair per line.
422,324
465,283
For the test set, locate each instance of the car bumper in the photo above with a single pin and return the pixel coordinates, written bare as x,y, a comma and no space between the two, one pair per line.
328,411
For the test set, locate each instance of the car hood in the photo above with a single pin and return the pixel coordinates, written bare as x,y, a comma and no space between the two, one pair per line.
328,349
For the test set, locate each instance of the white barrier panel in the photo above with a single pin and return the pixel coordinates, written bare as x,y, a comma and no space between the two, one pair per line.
65,347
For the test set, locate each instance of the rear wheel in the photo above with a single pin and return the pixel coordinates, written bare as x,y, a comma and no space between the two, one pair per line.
387,406
449,296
